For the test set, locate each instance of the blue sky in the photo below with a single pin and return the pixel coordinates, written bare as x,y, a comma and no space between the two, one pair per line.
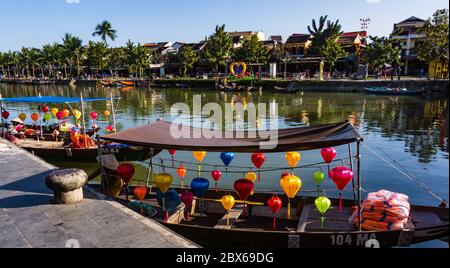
36,22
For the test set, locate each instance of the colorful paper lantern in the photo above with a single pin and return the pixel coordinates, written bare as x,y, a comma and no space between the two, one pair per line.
181,171
341,176
106,113
227,158
275,205
47,117
140,193
60,115
291,185
199,156
172,153
188,199
110,128
54,111
318,178
258,160
77,114
35,117
244,188
293,158
328,154
22,116
5,115
168,201
94,115
66,113
322,205
251,176
216,175
45,109
199,187
163,181
126,172
228,203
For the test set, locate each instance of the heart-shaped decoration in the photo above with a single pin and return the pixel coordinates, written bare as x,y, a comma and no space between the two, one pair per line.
126,172
244,188
328,154
341,176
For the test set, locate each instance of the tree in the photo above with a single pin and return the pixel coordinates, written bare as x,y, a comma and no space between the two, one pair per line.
105,31
97,54
188,58
73,51
51,54
435,46
381,52
142,59
219,48
332,51
320,34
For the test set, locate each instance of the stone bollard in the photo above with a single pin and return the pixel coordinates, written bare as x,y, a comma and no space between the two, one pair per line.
67,185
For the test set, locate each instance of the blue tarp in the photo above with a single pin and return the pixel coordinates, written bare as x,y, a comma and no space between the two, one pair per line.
50,99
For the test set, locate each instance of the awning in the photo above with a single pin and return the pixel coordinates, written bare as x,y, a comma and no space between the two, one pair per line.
50,99
158,135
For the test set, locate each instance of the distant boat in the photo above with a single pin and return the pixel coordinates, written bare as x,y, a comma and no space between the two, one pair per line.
394,91
127,83
289,89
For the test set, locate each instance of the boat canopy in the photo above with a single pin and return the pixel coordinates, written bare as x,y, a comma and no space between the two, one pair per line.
49,99
158,135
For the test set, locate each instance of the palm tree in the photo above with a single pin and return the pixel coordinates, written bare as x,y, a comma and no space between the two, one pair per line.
105,31
73,50
24,56
320,33
50,56
97,55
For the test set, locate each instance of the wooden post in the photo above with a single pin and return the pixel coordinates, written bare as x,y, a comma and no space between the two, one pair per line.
351,167
1,116
84,122
358,159
113,113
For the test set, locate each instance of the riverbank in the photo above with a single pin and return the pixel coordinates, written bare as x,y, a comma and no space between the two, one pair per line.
28,219
436,87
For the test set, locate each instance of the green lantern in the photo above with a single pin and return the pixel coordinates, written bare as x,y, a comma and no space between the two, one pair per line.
323,204
318,178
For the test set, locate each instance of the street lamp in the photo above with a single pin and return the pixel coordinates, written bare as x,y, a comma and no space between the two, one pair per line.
365,23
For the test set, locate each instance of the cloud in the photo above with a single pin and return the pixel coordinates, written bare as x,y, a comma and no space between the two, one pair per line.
373,2
72,2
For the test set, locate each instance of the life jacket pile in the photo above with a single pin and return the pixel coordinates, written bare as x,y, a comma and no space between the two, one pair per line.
383,211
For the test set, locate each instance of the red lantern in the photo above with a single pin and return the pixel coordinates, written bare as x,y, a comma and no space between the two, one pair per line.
258,160
181,171
284,175
5,115
140,193
94,115
244,188
45,109
328,154
187,198
35,117
341,176
275,205
126,172
60,115
216,175
172,153
110,128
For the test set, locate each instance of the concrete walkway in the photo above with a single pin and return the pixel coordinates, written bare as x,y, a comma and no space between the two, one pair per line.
27,219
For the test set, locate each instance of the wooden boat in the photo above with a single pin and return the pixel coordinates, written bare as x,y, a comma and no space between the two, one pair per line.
394,91
127,83
252,227
62,151
289,89
108,83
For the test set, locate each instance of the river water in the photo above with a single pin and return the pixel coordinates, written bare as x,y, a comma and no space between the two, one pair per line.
411,132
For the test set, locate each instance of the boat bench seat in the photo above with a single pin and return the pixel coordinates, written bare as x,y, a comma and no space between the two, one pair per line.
234,214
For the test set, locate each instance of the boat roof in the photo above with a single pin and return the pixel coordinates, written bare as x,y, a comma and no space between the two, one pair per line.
158,135
49,99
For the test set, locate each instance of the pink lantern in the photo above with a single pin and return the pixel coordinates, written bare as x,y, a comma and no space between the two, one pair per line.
341,177
187,198
216,175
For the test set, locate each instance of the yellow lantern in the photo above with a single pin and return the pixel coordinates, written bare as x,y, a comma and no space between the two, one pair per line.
54,111
251,176
106,113
293,158
291,185
199,156
228,203
76,114
22,116
163,181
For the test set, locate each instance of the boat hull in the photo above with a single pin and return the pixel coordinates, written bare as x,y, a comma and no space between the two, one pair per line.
386,91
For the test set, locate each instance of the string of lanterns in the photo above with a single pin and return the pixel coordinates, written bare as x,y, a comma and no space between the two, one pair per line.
290,184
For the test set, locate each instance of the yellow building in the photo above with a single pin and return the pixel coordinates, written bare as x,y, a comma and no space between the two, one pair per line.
438,69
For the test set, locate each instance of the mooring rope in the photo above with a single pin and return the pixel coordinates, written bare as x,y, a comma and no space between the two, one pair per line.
406,174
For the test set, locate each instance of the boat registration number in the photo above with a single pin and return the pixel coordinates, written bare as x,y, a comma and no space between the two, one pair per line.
110,150
361,240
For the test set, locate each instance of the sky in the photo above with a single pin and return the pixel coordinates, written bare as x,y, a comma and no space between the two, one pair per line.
33,23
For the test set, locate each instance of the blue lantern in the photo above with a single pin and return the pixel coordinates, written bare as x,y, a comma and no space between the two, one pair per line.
199,187
171,199
227,158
